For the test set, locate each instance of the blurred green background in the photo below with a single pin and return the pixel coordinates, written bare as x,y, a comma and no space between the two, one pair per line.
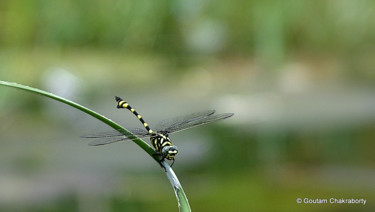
298,75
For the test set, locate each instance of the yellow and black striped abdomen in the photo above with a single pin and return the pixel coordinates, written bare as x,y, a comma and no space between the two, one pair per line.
123,104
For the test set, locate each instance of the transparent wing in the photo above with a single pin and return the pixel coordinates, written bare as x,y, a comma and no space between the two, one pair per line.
171,123
108,140
114,136
193,121
197,122
112,133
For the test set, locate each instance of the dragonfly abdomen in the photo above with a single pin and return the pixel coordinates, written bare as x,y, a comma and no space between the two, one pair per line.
123,104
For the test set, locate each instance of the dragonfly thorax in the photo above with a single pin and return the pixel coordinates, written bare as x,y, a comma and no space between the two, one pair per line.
163,145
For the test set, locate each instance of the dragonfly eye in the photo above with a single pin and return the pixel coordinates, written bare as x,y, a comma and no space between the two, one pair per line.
169,152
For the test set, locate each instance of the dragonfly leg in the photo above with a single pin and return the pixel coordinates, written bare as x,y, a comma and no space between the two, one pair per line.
162,166
158,154
172,162
160,160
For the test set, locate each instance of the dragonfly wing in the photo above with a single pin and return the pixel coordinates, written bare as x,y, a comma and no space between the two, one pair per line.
113,133
114,136
139,132
109,140
174,122
197,121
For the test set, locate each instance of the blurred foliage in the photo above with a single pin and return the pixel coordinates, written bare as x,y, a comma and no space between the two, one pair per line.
250,26
271,31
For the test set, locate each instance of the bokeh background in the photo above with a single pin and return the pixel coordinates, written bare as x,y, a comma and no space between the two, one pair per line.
299,76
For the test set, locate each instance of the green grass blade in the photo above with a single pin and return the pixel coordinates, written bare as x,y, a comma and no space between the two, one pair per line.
183,202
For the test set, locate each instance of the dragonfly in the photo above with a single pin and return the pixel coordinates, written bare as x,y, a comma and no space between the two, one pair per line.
159,137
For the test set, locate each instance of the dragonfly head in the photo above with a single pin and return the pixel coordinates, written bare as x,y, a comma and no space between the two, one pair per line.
169,152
